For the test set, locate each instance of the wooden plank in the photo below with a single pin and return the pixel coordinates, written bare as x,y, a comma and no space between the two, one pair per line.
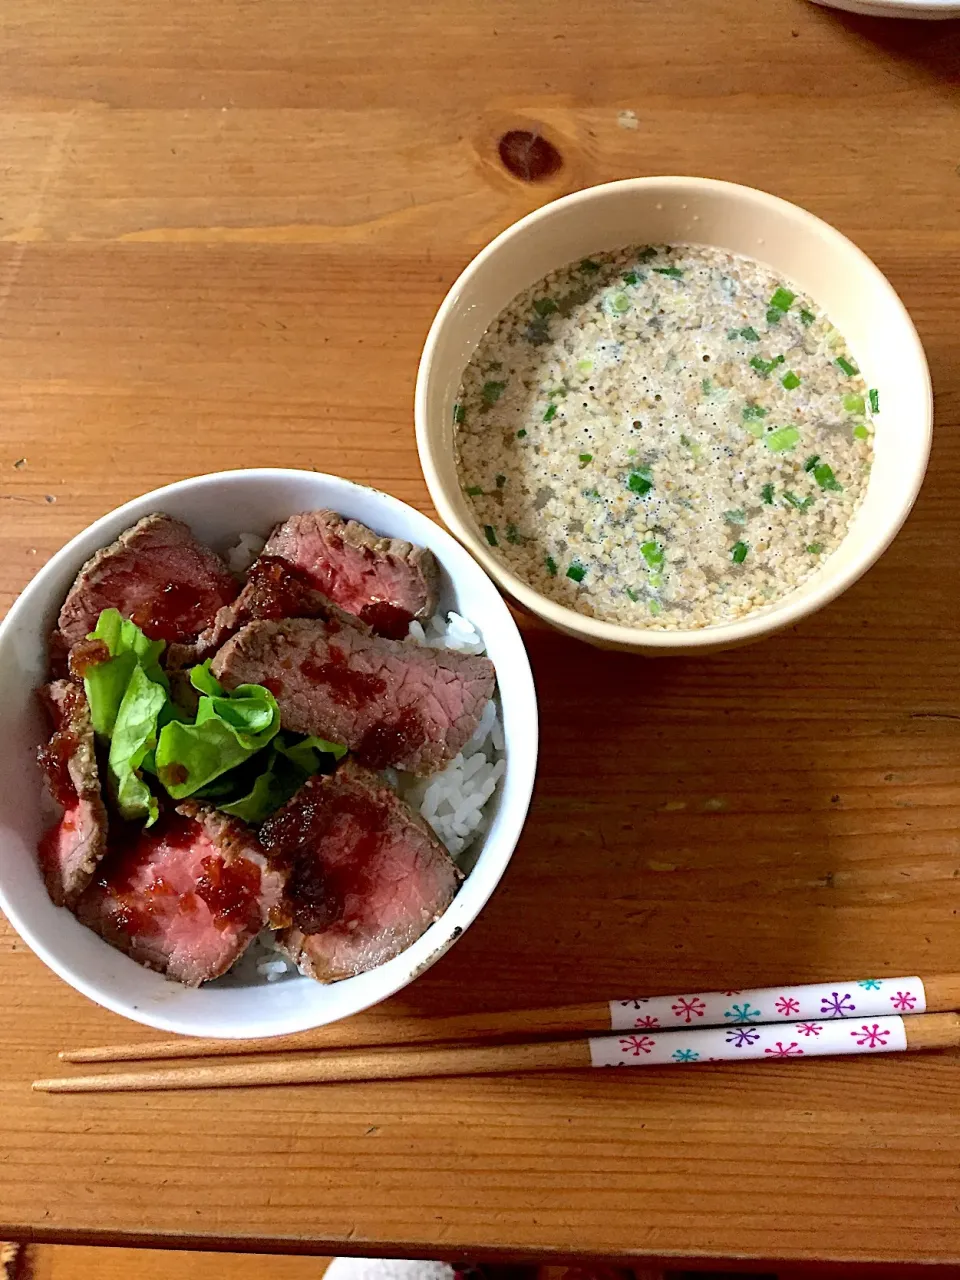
225,229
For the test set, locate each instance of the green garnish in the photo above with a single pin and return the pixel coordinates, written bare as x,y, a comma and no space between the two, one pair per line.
736,516
774,315
521,434
706,385
576,572
592,493
551,566
641,481
474,491
585,458
459,414
815,548
105,682
490,534
763,367
767,493
781,439
491,392
551,413
753,411
811,462
825,478
794,501
790,381
806,317
652,552
739,552
860,432
513,536
500,481
654,606
557,391
631,278
783,299
854,404
750,334
619,303
673,272
289,763
733,333
848,368
874,400
544,307
590,266
634,596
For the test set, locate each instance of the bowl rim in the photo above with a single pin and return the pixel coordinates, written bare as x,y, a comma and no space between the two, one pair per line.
458,916
619,635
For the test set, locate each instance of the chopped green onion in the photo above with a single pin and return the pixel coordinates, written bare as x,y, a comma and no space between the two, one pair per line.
750,334
848,368
811,462
512,535
551,413
806,317
557,391
591,267
491,534
767,493
854,404
774,315
523,431
654,606
763,367
491,392
641,481
753,411
551,566
781,439
592,493
585,458
632,594
656,580
739,552
815,548
790,381
794,501
673,272
783,299
576,572
619,303
860,432
825,478
631,278
874,400
474,491
706,385
736,516
733,333
652,552
459,414
544,307
584,366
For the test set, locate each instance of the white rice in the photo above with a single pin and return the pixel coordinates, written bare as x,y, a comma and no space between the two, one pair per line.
244,551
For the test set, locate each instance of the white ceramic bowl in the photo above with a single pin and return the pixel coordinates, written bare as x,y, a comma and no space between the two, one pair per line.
800,248
218,508
931,10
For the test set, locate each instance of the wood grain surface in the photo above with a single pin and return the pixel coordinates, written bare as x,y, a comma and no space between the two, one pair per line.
224,229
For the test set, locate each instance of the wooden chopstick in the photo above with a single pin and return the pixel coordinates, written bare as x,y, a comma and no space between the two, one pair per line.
767,1042
937,993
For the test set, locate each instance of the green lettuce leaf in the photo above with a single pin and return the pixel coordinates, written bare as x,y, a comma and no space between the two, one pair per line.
229,729
255,791
134,736
106,682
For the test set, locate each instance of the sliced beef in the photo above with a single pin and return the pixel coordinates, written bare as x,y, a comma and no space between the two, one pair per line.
274,589
70,850
391,702
386,582
185,897
367,876
156,573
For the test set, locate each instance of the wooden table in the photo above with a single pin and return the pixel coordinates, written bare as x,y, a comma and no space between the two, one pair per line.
225,228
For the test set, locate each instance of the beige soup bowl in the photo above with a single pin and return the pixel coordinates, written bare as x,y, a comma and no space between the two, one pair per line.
799,248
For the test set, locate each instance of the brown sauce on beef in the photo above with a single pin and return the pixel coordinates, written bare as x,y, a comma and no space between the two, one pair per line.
387,619
231,890
54,756
86,654
277,589
384,744
347,687
175,613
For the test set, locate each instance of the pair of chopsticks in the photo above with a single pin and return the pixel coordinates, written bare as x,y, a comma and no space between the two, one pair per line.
869,1015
